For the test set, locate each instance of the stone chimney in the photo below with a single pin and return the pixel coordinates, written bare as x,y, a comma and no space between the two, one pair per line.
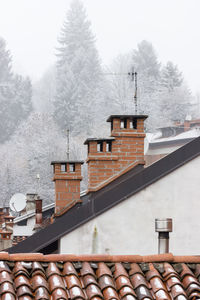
67,177
111,157
30,201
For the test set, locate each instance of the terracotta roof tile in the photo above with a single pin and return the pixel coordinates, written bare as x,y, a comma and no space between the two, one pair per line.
24,291
122,281
128,297
110,293
8,296
76,292
87,270
143,293
21,280
6,287
5,277
41,293
177,290
103,270
59,294
125,291
39,281
69,269
119,271
89,279
78,279
106,281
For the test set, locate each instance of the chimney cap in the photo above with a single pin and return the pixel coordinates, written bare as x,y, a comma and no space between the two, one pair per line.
9,217
67,162
163,225
98,140
122,117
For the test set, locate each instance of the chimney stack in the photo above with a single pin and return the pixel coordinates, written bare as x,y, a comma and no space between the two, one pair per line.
31,201
38,213
67,177
163,227
109,158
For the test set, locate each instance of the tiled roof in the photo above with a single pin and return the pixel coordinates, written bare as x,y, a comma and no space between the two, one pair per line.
38,276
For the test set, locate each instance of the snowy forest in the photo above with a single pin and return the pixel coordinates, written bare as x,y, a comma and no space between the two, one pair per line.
77,94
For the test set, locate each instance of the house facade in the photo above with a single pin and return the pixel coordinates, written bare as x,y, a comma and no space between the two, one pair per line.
129,226
117,214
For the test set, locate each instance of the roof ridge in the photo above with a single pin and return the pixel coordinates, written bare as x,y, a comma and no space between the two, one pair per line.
168,257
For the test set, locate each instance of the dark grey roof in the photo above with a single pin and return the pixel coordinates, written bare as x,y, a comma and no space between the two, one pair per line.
96,203
98,140
122,117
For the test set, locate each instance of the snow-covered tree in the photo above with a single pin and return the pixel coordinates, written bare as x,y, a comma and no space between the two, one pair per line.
37,142
44,91
171,77
122,90
15,95
145,60
5,63
78,72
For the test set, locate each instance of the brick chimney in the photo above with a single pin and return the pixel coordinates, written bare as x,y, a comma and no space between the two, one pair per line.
67,177
111,157
6,232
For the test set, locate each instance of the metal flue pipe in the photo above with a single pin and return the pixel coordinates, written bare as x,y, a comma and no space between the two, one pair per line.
163,227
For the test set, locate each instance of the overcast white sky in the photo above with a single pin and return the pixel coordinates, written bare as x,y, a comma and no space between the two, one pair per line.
31,28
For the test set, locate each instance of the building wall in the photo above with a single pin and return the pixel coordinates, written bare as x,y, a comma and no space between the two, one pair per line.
24,230
128,228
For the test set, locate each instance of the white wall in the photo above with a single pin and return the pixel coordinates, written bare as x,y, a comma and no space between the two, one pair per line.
26,230
128,228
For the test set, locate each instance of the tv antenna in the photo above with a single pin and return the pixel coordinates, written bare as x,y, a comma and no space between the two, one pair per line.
133,75
67,144
17,202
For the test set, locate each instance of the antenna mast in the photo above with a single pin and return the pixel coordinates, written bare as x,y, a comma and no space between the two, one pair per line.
67,144
135,96
133,75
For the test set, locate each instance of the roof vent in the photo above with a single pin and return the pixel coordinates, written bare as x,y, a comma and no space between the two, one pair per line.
163,227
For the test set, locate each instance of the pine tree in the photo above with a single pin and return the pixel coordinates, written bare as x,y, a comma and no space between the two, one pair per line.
15,95
145,60
5,64
171,77
78,72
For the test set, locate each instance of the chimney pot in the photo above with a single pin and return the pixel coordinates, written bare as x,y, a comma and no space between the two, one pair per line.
38,213
163,227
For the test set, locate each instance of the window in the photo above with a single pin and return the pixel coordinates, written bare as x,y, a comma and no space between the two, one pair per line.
100,147
63,168
71,168
134,124
108,146
123,123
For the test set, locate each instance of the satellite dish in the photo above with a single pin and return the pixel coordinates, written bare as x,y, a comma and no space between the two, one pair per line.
146,145
18,202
